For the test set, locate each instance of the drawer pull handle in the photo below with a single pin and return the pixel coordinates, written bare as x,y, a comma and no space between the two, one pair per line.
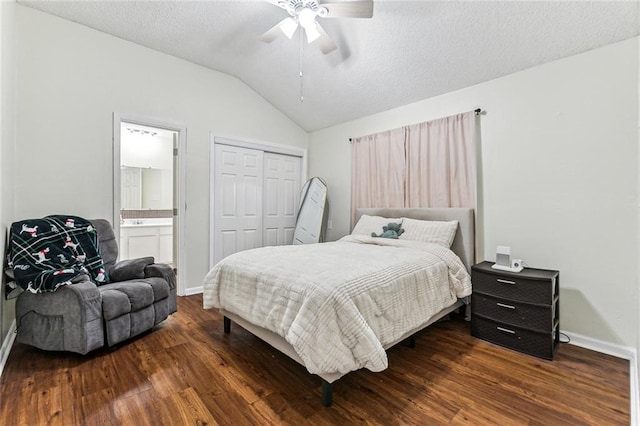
506,282
506,330
502,305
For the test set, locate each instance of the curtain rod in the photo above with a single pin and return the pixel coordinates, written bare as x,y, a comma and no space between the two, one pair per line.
476,111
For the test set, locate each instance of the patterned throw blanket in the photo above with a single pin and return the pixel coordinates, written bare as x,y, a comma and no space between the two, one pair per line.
49,252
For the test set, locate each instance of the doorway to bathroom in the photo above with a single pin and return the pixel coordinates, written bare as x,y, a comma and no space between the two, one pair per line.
148,198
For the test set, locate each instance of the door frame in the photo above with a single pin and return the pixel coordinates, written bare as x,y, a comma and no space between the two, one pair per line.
250,144
179,181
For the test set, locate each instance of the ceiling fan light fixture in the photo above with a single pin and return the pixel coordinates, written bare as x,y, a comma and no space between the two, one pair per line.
289,27
304,13
312,34
307,19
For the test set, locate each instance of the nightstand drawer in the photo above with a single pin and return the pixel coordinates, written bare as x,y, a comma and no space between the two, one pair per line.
543,345
535,317
514,287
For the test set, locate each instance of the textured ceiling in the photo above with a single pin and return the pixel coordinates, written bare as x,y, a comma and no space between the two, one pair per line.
408,51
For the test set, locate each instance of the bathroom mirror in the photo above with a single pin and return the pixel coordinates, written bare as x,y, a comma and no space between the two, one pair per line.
145,188
311,221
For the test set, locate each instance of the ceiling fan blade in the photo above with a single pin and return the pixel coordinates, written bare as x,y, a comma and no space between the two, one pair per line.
275,31
279,3
349,9
324,41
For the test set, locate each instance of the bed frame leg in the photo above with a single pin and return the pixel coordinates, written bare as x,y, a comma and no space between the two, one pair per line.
412,342
327,393
227,325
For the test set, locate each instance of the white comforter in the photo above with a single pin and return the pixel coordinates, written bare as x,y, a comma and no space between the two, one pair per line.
339,303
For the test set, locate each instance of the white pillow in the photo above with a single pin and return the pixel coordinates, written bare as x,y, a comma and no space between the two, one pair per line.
429,231
368,224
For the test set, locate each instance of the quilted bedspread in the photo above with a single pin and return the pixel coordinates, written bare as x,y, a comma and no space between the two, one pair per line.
339,303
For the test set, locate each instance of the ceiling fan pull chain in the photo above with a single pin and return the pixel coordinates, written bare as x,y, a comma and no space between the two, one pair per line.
301,73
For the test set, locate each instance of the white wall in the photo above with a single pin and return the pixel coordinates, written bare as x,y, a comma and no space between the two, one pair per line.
71,79
559,177
7,144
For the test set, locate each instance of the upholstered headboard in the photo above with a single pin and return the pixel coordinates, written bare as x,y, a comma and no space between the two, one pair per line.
464,241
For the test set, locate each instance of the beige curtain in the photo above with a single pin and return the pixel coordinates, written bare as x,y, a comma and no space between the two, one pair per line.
377,173
431,164
441,163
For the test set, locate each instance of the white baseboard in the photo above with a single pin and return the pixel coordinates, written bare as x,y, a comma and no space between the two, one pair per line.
601,346
193,290
619,351
7,344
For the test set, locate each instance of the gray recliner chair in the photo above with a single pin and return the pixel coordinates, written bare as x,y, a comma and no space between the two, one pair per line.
82,317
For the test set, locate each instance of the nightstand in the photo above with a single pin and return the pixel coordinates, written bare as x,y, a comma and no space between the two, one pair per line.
519,310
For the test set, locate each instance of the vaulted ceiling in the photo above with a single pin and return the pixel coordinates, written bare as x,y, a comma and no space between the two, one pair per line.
408,51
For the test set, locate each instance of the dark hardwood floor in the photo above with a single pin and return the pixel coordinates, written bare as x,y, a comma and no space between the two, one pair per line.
187,372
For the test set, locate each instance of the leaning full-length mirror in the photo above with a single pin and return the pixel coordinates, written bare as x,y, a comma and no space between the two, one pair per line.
311,222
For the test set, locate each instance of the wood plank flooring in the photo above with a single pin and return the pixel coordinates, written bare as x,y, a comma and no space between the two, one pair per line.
187,372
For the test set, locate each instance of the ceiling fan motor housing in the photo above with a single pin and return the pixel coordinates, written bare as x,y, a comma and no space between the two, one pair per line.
294,7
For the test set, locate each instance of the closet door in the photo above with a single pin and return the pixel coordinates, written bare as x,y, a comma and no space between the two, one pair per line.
281,198
238,183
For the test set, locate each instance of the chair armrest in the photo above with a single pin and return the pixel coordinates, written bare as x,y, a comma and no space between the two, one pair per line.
161,270
130,269
60,302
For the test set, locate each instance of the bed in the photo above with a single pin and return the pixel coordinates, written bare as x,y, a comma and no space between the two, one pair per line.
336,307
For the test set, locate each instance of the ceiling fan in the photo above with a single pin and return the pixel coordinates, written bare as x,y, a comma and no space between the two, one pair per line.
303,13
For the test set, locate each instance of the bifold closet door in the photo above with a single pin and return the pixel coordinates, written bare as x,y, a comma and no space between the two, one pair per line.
238,184
256,197
281,198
